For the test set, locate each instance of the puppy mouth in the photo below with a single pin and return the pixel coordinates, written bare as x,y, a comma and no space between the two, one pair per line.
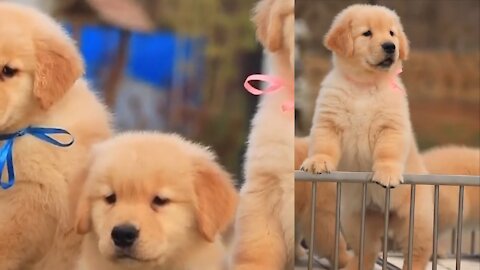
386,63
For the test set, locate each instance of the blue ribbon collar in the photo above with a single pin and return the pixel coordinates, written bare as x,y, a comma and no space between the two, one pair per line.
6,151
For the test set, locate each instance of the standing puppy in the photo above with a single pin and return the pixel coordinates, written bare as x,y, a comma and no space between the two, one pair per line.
362,123
41,87
264,237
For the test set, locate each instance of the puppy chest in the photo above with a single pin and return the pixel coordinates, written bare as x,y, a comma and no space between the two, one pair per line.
357,138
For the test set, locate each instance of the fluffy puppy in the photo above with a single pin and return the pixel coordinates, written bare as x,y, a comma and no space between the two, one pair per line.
264,237
362,123
41,85
153,201
455,160
324,238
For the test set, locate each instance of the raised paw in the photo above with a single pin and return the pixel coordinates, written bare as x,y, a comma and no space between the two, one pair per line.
318,164
388,174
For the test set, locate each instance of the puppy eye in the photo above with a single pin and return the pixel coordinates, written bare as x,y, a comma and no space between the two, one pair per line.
159,201
9,71
367,34
111,199
392,33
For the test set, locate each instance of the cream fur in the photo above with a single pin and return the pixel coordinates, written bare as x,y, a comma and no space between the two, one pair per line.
183,234
46,91
362,124
264,226
455,160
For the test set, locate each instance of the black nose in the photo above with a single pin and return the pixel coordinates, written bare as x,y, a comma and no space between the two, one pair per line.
124,235
388,47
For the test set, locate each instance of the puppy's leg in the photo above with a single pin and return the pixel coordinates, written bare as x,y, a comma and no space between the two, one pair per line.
28,221
259,239
373,233
423,228
324,238
324,150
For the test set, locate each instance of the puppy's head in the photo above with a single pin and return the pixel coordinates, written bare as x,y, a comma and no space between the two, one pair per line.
368,36
275,25
38,63
149,196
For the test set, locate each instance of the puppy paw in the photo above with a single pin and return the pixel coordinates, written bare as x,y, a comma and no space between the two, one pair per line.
318,164
388,174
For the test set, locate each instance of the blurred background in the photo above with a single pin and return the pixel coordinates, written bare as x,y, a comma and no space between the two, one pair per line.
168,65
442,75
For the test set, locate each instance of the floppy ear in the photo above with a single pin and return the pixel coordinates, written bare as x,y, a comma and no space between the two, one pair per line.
269,18
79,200
216,199
58,66
339,38
404,45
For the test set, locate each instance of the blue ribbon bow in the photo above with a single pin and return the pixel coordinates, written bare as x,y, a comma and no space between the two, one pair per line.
6,150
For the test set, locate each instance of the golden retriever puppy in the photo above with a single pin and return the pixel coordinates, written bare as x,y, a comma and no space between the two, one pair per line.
362,123
455,160
41,86
264,237
154,201
324,238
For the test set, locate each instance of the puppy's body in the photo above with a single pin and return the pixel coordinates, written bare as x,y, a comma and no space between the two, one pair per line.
362,123
455,160
177,205
46,91
265,220
324,238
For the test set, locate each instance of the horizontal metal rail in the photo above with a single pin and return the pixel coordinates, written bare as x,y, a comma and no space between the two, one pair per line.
362,177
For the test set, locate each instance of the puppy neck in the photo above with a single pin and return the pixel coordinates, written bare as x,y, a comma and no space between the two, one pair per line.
283,65
361,77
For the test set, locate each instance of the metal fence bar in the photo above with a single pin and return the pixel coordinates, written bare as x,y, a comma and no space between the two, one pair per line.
459,227
312,226
385,228
473,241
411,226
362,177
362,227
435,227
453,248
337,224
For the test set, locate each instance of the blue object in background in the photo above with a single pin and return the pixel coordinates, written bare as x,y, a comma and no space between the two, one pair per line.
151,56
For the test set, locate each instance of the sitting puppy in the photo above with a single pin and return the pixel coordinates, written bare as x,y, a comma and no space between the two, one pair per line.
153,201
41,94
362,123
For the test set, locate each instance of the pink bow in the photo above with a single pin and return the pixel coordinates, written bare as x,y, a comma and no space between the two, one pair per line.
275,84
393,82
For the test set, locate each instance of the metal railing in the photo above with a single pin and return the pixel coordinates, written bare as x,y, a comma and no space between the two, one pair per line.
364,178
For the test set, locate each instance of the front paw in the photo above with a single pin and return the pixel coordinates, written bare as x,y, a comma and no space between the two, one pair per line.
388,174
318,164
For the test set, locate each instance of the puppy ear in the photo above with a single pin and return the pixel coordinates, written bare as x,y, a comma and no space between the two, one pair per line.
269,18
339,38
79,201
216,198
404,45
58,66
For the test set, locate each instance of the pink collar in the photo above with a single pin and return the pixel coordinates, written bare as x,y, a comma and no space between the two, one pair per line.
275,84
393,81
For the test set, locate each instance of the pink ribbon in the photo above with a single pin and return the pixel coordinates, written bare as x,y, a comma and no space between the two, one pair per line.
393,82
274,84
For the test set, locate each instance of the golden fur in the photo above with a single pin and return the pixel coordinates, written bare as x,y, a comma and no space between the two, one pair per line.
362,124
264,237
182,234
455,160
325,213
48,91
